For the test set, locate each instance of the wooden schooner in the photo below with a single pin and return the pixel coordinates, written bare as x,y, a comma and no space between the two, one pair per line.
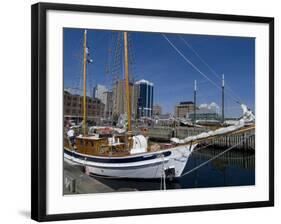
127,156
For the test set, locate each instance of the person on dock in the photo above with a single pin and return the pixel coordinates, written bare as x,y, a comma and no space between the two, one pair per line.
71,136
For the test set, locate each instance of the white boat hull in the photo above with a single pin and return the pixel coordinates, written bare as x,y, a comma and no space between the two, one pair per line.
147,165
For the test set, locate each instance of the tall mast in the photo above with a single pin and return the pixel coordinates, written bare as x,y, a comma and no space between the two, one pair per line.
222,100
128,95
194,109
85,84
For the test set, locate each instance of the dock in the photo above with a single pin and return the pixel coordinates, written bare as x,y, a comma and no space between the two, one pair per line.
77,182
161,133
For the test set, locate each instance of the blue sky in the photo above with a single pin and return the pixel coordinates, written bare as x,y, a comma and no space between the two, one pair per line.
158,62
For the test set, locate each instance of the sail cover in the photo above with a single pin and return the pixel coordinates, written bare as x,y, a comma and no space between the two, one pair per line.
247,117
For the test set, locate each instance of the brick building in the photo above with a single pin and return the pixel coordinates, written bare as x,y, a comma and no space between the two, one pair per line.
73,107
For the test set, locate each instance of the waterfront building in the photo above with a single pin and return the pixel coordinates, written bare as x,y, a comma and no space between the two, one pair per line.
206,112
157,110
119,97
164,119
108,95
143,98
73,107
98,93
183,109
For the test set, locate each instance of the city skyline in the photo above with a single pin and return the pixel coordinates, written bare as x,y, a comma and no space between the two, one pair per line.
158,62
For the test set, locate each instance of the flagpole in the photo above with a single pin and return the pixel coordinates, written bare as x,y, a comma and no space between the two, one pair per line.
222,103
194,108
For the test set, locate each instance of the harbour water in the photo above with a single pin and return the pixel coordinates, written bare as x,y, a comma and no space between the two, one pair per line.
234,168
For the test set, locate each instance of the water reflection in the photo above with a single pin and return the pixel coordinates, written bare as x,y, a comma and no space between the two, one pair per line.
234,168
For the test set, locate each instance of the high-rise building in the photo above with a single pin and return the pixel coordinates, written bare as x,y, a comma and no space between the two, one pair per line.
98,93
143,98
119,97
108,95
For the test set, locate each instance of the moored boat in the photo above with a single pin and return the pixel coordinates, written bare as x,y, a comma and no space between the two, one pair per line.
117,153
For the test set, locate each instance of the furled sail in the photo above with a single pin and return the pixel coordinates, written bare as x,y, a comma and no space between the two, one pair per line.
248,117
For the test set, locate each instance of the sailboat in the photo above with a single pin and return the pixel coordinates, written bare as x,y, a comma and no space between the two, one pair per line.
131,156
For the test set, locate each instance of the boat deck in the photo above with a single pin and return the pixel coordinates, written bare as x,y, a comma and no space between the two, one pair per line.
101,147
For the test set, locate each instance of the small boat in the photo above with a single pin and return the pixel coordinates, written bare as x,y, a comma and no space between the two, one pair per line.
120,154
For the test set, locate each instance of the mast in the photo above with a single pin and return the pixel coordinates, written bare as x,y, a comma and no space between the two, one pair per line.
128,95
194,109
222,100
85,84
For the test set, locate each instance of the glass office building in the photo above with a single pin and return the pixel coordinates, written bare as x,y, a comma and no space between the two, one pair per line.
144,98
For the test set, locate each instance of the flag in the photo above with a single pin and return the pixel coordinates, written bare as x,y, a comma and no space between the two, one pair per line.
89,60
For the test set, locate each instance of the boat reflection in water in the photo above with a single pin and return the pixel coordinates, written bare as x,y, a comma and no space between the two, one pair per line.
234,168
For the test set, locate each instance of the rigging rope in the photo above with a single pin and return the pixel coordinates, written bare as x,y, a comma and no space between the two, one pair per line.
215,157
132,58
163,177
196,68
208,66
116,64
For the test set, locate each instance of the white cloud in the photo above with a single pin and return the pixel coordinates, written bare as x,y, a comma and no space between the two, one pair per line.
212,106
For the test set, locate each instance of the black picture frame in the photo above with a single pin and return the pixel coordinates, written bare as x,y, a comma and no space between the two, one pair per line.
38,108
